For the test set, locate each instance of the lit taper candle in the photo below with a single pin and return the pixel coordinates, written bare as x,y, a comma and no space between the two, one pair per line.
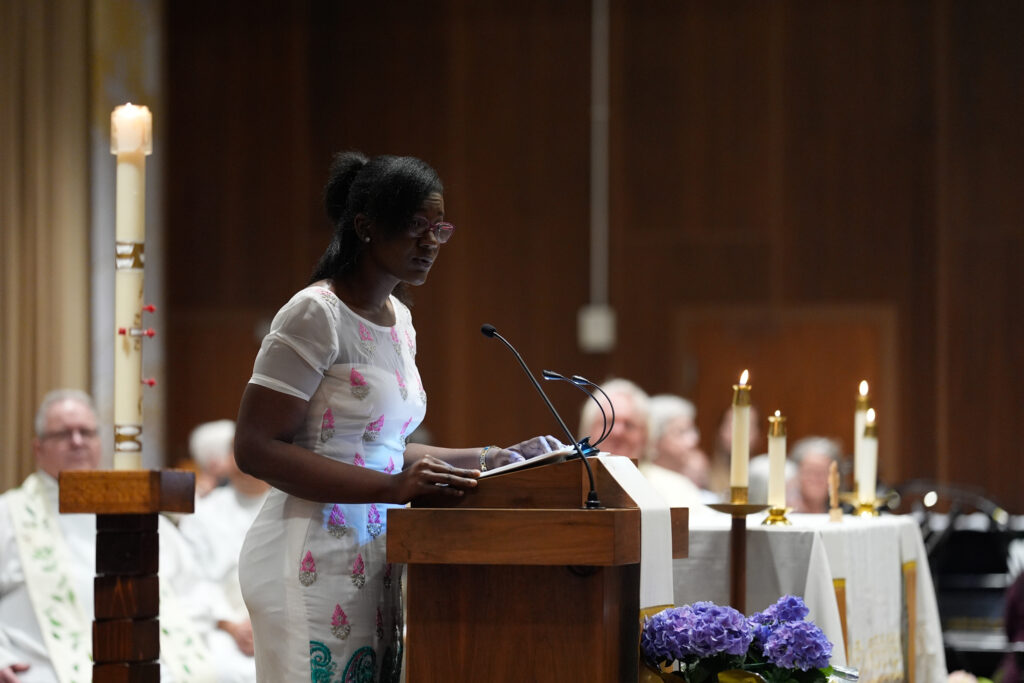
777,461
131,132
740,459
859,414
867,478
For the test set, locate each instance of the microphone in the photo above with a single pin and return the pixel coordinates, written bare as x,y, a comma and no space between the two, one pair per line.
593,503
588,448
579,381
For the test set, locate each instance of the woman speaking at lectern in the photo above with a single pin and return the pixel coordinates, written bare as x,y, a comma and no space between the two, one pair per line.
334,393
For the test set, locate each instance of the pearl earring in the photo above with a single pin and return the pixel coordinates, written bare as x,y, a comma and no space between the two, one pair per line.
366,239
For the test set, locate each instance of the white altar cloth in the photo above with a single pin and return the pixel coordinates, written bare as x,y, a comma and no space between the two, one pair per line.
868,556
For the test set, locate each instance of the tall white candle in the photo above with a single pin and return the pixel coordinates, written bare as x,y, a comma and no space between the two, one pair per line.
740,457
863,404
777,461
131,140
131,129
867,478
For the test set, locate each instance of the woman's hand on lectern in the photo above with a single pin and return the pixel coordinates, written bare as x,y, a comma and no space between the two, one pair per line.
538,445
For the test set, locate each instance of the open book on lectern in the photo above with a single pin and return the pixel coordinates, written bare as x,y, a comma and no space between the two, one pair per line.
550,457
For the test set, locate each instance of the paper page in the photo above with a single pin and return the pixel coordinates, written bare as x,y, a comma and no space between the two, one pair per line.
546,459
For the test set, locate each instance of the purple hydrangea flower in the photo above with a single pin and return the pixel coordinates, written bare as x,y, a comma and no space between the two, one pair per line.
666,635
798,645
788,608
702,629
719,629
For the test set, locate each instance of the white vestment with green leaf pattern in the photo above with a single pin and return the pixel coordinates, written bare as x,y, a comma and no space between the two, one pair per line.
47,565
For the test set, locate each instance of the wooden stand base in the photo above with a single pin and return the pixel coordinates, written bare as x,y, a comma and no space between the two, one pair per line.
126,606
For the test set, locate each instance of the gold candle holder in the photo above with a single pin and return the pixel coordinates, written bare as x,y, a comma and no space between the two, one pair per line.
738,495
862,508
777,517
868,508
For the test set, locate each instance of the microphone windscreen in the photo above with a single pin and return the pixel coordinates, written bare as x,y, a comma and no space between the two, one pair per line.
488,330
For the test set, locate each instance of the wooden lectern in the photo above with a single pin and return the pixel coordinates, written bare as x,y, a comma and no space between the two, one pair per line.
126,630
515,581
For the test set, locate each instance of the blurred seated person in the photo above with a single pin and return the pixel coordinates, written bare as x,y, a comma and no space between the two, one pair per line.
629,437
674,441
216,532
48,561
211,446
673,433
813,456
698,470
758,473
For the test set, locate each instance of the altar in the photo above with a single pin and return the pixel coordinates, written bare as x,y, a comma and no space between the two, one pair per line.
866,582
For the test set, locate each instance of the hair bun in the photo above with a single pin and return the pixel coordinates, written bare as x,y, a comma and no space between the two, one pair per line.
345,166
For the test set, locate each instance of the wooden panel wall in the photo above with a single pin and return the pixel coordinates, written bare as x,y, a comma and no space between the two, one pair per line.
765,156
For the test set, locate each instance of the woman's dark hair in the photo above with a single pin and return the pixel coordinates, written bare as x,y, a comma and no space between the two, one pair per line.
387,189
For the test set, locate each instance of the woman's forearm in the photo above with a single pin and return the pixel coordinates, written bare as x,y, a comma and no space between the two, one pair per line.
308,475
468,458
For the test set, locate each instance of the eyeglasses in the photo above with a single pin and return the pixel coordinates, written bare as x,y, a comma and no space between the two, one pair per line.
418,227
85,433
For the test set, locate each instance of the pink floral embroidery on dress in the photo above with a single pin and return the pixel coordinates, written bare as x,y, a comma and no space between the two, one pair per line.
391,466
336,525
380,624
423,393
403,436
327,426
360,389
411,343
401,385
358,461
366,340
359,572
373,429
307,570
339,623
373,524
395,342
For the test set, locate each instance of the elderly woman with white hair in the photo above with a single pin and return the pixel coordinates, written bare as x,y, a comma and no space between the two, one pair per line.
813,456
211,446
629,437
675,441
674,434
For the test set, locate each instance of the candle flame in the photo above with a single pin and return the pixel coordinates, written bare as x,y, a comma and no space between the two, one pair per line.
778,413
869,417
744,377
863,387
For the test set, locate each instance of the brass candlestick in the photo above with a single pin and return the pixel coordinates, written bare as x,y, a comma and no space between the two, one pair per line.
863,508
738,509
777,517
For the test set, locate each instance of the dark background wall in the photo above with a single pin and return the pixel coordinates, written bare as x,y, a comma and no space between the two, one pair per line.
821,192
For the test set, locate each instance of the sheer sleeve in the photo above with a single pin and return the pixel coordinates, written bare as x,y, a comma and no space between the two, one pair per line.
301,346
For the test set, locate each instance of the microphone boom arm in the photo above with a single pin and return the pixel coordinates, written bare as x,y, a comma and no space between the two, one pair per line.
593,503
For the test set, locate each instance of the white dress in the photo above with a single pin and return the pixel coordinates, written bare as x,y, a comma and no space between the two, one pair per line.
325,604
215,532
